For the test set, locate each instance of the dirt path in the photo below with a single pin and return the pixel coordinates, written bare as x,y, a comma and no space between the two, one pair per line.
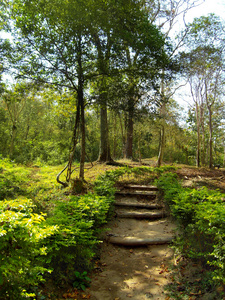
138,273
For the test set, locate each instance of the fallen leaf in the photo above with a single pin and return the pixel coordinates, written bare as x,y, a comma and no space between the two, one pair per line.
86,296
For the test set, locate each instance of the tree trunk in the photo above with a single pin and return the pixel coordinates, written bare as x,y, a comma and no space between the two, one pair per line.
198,150
123,136
161,145
129,140
104,150
80,95
210,140
14,128
82,129
203,134
115,136
162,142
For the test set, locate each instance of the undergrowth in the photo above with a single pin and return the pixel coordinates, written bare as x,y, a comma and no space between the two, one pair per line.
200,214
48,235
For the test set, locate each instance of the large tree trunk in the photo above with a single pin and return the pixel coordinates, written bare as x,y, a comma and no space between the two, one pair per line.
80,95
115,136
82,127
104,150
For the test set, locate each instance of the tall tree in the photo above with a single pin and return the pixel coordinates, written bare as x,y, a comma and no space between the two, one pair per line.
166,14
56,49
205,72
126,43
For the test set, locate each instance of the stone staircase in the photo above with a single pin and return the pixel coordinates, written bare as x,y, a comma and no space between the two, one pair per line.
142,220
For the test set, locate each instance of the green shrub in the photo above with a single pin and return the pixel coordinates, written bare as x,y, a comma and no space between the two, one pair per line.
12,179
22,246
81,280
74,244
201,215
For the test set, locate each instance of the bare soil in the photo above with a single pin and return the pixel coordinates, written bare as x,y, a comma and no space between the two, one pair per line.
135,273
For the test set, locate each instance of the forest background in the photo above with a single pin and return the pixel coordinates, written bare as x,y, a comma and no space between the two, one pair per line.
98,81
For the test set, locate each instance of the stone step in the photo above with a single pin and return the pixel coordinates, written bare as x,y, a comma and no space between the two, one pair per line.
151,194
138,242
138,205
141,187
141,215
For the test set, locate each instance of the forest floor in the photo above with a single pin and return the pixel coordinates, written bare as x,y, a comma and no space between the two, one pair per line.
142,273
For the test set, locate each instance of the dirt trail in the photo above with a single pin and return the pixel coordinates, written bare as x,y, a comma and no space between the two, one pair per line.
138,273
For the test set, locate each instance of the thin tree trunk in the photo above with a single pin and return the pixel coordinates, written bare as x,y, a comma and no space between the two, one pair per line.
161,145
162,142
210,140
123,137
129,139
203,133
14,129
198,150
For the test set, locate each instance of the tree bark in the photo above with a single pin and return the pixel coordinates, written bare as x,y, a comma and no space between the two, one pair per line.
82,129
210,140
82,116
162,142
198,150
129,139
104,149
203,161
14,129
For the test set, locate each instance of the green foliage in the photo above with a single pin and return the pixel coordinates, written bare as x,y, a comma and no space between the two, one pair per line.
81,280
22,246
201,216
104,185
79,220
12,179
